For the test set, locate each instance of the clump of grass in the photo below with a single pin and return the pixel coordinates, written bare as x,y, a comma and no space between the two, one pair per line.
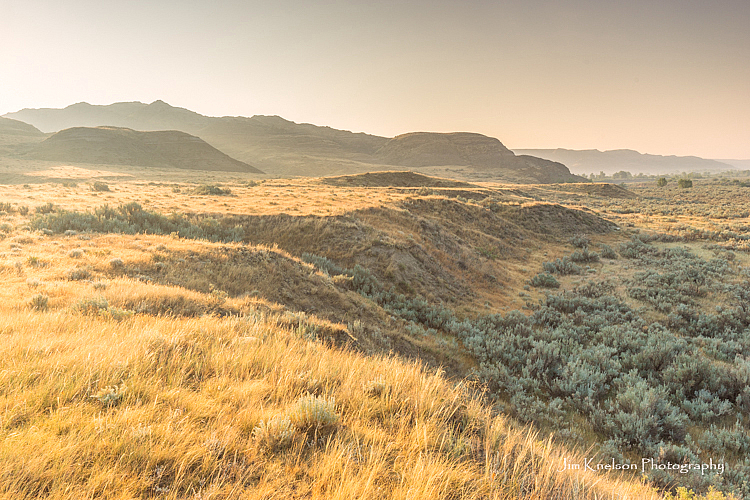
92,305
76,253
39,302
376,387
116,263
47,208
33,283
276,433
34,261
110,395
78,273
99,306
314,413
99,285
100,186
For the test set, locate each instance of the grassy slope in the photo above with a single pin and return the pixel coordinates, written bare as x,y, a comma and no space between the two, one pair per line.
196,387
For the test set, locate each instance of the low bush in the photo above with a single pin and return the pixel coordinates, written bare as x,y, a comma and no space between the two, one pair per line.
544,280
580,241
563,267
314,413
274,433
39,302
584,256
131,218
210,190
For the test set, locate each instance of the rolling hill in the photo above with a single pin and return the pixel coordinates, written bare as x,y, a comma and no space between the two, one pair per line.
481,153
9,126
285,148
123,146
16,136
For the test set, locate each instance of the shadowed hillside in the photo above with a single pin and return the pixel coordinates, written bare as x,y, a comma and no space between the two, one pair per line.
121,146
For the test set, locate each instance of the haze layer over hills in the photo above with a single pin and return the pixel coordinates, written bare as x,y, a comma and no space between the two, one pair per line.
281,147
9,126
583,162
123,146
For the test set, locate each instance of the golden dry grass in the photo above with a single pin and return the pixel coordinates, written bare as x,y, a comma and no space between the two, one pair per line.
196,388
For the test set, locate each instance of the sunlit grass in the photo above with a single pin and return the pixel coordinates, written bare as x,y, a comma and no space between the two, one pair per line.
169,407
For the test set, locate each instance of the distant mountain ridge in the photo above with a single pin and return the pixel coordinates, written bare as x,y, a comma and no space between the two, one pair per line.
282,147
123,146
588,161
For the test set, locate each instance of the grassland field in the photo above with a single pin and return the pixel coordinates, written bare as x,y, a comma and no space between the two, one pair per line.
383,335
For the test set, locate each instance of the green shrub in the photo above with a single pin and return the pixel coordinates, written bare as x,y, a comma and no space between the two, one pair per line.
685,183
607,252
544,280
563,267
584,256
661,182
580,241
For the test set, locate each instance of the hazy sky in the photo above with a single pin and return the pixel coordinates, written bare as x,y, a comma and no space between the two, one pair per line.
659,76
